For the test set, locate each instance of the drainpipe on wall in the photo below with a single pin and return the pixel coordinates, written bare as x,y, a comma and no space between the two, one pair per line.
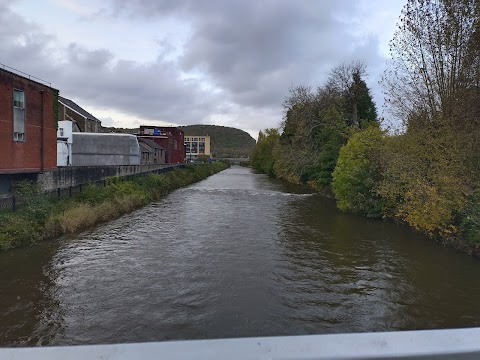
41,137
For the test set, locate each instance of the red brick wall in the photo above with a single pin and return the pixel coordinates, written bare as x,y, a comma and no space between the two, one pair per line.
18,157
178,151
174,147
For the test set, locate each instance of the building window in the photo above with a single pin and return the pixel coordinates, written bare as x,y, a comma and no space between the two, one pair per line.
60,131
18,115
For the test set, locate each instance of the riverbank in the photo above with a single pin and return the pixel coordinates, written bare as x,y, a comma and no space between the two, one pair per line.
42,217
447,240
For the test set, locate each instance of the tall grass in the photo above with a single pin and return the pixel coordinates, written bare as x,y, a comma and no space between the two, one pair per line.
42,217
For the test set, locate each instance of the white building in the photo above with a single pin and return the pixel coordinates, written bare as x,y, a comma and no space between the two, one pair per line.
64,143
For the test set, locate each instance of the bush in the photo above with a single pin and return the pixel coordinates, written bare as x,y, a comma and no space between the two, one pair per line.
35,205
358,173
470,218
425,179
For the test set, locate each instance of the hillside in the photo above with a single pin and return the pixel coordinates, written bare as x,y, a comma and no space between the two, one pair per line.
225,141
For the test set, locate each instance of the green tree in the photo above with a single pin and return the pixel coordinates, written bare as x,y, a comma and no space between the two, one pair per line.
358,173
263,156
332,135
366,111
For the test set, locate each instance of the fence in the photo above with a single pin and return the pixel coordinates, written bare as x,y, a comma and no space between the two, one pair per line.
12,202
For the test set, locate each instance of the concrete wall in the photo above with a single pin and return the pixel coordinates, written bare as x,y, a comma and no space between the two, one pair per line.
99,149
65,177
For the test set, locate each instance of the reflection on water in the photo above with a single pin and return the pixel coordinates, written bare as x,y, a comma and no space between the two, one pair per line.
235,255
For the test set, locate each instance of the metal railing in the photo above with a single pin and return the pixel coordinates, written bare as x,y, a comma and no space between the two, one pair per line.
430,344
28,76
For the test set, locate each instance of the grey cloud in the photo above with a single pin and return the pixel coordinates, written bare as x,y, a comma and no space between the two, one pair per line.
98,58
151,91
252,51
255,50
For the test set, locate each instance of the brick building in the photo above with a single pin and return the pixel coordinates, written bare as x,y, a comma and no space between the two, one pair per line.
82,120
171,138
28,134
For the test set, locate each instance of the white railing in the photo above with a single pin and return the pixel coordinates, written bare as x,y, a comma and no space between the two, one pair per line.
429,344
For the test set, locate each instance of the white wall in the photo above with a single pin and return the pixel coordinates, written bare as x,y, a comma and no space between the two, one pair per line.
67,127
63,158
64,143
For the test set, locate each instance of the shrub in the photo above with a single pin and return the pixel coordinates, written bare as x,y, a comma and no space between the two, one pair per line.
425,179
470,218
358,173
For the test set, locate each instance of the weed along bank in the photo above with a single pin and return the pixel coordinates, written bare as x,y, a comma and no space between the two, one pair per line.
44,217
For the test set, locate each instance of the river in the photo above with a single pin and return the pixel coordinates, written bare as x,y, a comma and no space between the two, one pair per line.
235,255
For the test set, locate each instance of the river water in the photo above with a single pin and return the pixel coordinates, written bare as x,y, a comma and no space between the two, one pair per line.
235,255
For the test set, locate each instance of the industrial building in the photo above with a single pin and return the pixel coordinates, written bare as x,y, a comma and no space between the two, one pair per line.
95,149
170,138
27,127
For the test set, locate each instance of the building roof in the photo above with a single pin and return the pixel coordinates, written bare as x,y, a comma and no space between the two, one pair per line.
72,105
150,143
26,76
144,148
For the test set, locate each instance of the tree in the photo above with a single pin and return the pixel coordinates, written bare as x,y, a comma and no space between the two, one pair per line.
435,57
315,124
424,182
433,87
358,173
366,111
347,81
263,156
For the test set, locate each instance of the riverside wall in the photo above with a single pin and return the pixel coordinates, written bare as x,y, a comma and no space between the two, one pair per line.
73,176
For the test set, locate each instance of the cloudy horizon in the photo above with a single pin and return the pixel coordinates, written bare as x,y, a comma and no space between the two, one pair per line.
186,62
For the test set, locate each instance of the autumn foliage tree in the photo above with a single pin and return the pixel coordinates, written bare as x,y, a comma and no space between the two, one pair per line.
317,124
432,85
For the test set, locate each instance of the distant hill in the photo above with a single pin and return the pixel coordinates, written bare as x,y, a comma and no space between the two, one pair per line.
119,130
225,141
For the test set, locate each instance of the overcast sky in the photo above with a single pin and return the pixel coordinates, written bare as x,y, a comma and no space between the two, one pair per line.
181,62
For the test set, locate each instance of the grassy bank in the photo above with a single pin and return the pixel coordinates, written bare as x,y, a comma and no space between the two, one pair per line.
42,217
